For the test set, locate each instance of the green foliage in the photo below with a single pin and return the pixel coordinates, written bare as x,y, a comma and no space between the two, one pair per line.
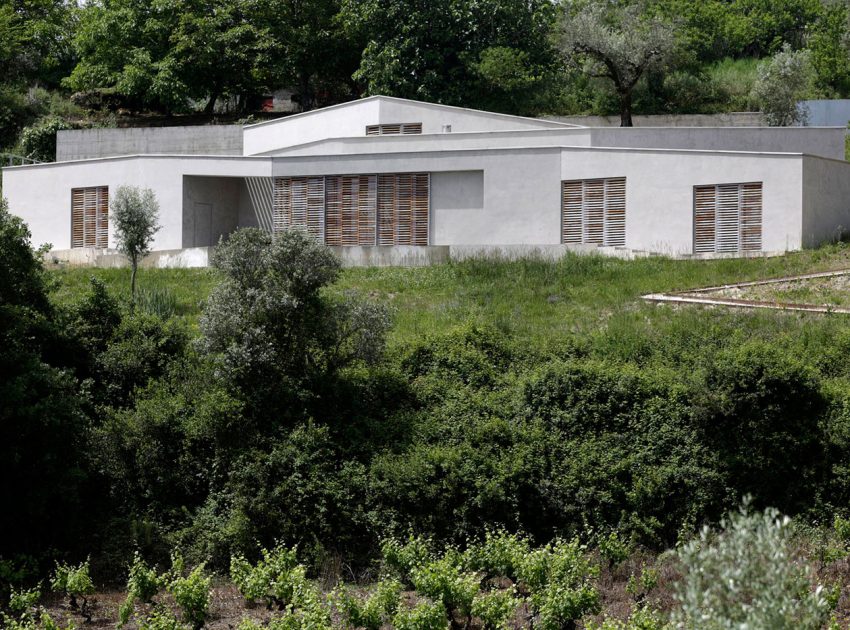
639,587
495,609
22,601
782,82
424,616
372,612
143,583
499,555
613,548
402,557
276,577
643,618
443,579
161,619
746,575
39,140
135,214
74,582
841,526
191,592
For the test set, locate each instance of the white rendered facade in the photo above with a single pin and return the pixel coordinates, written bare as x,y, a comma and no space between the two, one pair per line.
494,182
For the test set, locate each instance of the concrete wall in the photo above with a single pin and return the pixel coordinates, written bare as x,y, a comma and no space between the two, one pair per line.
733,119
826,200
827,112
41,194
81,144
822,141
457,206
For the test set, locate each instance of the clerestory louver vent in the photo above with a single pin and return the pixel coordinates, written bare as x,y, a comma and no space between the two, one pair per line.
395,129
728,218
593,212
90,217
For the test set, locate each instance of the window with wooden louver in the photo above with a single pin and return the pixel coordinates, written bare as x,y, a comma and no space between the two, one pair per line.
395,129
593,212
346,210
90,217
728,218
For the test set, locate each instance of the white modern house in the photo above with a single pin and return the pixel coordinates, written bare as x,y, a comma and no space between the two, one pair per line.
388,180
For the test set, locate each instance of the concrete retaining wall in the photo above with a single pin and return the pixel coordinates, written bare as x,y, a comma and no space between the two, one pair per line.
734,119
81,144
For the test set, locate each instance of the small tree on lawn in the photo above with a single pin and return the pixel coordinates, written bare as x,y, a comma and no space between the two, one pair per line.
135,212
783,80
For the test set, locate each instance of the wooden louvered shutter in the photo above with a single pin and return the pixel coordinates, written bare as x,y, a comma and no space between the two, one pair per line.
615,212
77,218
367,199
728,218
571,212
394,129
299,203
705,201
373,130
387,185
281,204
751,200
408,129
593,212
420,208
333,211
90,217
102,220
728,221
404,210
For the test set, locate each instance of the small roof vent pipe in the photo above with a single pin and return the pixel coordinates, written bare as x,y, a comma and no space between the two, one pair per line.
447,128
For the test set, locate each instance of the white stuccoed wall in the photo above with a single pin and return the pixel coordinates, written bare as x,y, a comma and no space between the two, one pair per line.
42,194
826,200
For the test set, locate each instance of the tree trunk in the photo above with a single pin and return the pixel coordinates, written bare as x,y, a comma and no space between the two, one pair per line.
306,92
626,109
210,108
133,266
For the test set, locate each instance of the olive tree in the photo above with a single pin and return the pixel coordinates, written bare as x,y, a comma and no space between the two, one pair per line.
135,213
782,81
618,43
745,576
277,336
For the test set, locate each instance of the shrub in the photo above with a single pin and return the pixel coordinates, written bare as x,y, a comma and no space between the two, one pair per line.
495,608
643,618
500,555
375,610
191,593
142,584
74,582
161,619
401,558
276,577
24,600
38,141
613,549
424,616
444,580
841,526
745,576
560,579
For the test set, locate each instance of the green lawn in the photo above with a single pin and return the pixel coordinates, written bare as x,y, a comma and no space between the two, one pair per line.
538,302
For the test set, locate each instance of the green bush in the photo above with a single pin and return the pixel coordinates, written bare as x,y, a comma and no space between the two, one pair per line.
444,580
191,592
401,558
643,618
143,583
161,619
374,611
495,609
745,576
276,577
74,582
499,555
23,601
38,141
424,616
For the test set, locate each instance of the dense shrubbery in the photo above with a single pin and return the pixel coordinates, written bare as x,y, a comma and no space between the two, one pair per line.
284,422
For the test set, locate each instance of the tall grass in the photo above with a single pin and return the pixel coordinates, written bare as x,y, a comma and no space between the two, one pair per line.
735,79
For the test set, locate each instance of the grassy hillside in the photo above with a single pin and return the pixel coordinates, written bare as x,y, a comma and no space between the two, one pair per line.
538,302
